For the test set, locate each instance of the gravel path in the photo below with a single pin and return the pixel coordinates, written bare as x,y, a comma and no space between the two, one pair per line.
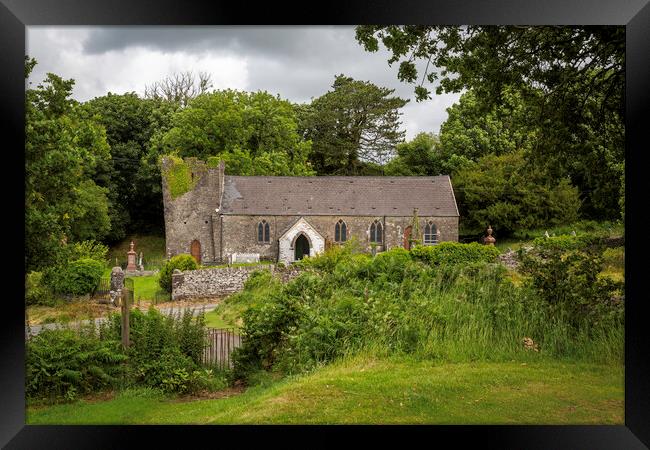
196,309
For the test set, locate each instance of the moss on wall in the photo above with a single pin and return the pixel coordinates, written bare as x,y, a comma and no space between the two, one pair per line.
213,162
178,175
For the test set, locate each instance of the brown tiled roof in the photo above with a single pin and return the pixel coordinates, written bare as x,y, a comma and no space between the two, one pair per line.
354,196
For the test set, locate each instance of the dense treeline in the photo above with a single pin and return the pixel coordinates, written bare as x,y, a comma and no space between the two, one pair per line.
535,140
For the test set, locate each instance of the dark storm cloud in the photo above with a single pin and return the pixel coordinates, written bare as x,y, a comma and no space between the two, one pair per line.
281,42
298,63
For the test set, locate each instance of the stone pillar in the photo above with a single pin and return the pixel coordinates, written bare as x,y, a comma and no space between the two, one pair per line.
117,284
489,240
177,280
131,267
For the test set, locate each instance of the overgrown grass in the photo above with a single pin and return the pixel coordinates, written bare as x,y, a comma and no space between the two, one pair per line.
522,238
614,263
393,390
65,311
229,312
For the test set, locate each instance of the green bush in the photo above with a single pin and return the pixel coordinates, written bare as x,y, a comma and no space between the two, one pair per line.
65,363
564,272
36,291
455,253
77,278
394,302
89,250
165,351
180,262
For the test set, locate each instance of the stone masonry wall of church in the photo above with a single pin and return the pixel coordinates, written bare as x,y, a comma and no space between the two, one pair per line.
189,216
240,232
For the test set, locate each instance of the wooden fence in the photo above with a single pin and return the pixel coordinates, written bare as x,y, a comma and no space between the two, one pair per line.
220,344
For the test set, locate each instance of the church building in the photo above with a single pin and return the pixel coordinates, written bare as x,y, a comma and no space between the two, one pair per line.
219,218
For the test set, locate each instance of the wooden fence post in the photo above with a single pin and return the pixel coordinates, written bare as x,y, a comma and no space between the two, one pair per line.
125,318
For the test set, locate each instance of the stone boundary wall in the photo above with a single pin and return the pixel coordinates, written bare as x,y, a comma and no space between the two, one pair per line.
218,282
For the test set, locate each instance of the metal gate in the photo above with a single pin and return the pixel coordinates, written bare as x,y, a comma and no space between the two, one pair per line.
219,346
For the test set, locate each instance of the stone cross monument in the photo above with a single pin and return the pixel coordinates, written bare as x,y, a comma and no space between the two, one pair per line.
131,267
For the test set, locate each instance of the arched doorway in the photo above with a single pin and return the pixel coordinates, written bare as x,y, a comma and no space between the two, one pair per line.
195,251
301,247
407,237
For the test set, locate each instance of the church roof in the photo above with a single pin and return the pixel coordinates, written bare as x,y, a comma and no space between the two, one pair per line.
338,195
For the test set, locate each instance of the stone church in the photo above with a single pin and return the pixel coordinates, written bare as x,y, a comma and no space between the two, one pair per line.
225,218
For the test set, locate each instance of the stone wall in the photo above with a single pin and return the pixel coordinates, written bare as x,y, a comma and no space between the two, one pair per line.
240,232
218,282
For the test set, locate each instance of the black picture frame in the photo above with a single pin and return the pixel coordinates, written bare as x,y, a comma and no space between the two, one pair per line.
15,15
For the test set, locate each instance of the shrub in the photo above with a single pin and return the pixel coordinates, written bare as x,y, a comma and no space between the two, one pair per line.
65,363
77,278
564,271
394,302
89,250
165,351
455,253
390,264
36,291
180,262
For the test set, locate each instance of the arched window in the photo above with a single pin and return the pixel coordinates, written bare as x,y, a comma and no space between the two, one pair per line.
340,231
263,232
376,232
430,234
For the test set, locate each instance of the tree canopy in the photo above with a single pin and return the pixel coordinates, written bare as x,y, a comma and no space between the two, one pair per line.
569,80
63,151
256,133
354,124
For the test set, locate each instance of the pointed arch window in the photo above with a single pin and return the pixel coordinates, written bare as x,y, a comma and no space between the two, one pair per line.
376,232
263,232
430,234
340,231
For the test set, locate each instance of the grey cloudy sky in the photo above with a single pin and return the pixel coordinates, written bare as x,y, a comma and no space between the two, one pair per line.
298,63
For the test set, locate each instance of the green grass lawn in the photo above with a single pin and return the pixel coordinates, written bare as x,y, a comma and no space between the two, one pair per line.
383,391
147,288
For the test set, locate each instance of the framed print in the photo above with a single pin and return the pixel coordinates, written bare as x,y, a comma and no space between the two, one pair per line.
427,216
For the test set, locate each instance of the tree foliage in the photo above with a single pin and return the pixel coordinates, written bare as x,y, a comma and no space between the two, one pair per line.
354,124
570,81
131,178
256,133
424,155
63,151
509,194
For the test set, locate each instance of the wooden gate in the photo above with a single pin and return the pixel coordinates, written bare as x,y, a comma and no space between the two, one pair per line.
219,346
195,251
407,237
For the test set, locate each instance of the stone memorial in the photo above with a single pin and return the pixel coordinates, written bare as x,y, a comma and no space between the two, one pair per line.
117,284
489,239
130,266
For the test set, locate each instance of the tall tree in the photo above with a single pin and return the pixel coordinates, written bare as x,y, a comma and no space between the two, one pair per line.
130,122
62,153
570,78
180,87
424,155
354,124
256,133
505,192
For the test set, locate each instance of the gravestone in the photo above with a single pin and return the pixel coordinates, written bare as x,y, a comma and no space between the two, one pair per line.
117,284
489,239
244,258
130,266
